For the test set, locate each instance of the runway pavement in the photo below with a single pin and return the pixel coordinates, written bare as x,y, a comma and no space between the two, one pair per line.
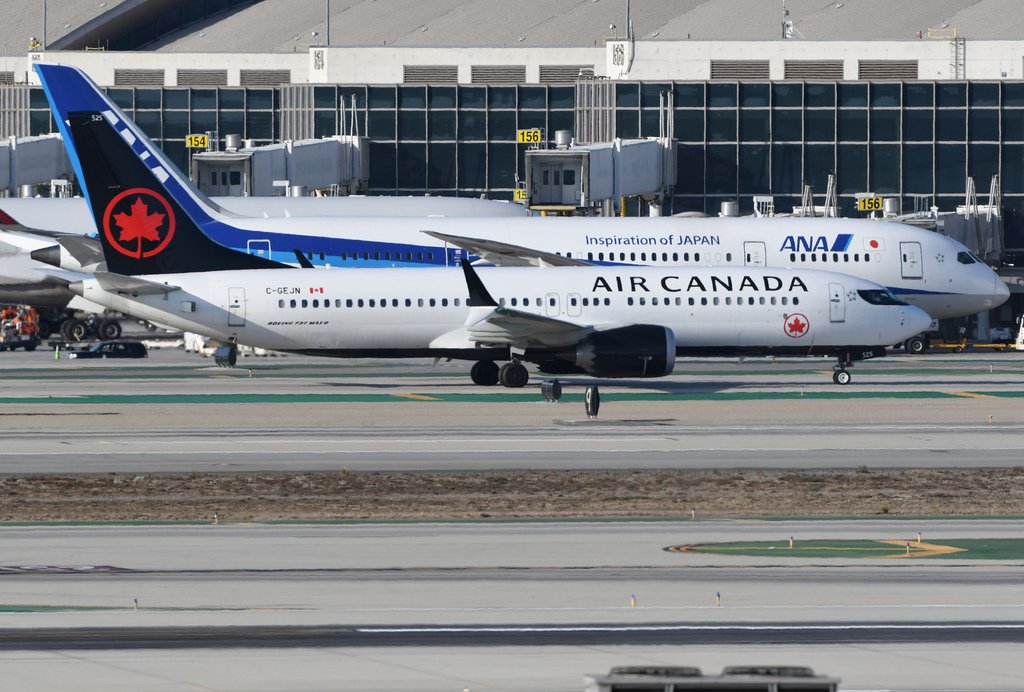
435,606
493,604
173,412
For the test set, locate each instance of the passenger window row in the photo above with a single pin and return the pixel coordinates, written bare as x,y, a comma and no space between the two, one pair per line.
539,302
534,302
836,257
716,300
371,302
377,255
431,302
644,257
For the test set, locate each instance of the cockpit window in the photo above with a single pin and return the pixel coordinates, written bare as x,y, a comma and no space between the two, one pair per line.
965,258
879,297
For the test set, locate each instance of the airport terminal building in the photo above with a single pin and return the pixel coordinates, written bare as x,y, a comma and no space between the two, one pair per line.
907,107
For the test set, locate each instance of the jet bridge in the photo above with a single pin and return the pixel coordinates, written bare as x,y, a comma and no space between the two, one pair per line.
338,164
581,178
29,161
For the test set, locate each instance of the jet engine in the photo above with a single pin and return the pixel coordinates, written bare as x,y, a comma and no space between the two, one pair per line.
640,350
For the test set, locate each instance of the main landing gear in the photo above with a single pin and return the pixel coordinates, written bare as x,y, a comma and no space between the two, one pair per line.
487,373
840,373
484,373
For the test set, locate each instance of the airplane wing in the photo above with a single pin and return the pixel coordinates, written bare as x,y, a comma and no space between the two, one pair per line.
501,325
506,254
490,323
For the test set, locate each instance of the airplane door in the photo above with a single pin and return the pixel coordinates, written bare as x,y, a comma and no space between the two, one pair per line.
910,256
836,303
754,254
259,247
551,304
570,185
550,191
574,305
236,307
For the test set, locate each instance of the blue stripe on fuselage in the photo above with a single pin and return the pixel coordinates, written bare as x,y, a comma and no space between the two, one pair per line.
842,242
338,252
918,292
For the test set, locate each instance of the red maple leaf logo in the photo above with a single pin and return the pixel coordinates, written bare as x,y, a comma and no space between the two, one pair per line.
796,326
140,224
132,229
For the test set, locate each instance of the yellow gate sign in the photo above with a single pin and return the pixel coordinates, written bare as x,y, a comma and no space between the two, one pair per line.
869,203
519,195
197,141
528,136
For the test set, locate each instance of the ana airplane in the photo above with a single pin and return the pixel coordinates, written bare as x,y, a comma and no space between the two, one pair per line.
928,270
601,321
71,214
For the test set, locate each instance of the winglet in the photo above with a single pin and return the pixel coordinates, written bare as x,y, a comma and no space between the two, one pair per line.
478,294
301,259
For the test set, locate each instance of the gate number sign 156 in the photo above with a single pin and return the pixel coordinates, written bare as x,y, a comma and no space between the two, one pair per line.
869,203
528,136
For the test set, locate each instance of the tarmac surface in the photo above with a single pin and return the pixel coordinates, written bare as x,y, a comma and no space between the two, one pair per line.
498,605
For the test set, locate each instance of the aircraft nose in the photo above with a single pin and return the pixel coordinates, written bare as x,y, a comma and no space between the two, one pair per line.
916,319
1001,291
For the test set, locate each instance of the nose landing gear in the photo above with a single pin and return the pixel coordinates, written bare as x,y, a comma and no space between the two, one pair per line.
840,372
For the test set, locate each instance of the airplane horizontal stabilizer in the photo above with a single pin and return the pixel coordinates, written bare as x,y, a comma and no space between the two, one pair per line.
119,283
506,254
88,251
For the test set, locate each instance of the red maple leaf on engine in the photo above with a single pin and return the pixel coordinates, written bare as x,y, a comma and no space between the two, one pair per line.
139,223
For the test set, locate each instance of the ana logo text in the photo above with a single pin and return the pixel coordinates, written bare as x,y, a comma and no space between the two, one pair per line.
816,243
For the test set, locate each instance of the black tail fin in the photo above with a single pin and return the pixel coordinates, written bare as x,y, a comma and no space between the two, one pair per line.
144,229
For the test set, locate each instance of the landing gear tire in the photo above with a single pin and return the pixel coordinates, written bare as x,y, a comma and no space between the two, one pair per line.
484,373
513,375
109,330
77,330
842,377
915,345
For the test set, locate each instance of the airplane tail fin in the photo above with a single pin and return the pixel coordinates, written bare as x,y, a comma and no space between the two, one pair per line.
144,225
69,90
149,217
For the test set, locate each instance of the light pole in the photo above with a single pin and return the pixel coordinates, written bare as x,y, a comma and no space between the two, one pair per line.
44,24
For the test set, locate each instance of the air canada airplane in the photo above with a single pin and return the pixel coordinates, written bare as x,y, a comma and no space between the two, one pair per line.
604,321
924,268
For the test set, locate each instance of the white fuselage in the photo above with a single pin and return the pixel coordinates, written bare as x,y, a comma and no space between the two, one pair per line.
397,313
72,215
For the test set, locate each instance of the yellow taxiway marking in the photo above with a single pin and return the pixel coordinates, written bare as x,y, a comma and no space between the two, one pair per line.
417,397
920,549
972,395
